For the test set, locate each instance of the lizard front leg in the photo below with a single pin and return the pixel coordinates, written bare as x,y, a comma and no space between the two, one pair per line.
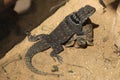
34,38
87,39
71,42
57,48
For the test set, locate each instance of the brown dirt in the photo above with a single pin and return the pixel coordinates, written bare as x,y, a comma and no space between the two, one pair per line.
98,62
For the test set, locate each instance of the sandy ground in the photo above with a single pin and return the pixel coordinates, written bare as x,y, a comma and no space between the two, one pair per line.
98,62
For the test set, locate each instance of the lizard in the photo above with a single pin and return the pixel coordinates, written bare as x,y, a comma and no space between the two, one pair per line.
83,40
72,24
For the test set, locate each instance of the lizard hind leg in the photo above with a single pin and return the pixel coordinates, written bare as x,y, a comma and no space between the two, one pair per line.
34,38
57,48
37,47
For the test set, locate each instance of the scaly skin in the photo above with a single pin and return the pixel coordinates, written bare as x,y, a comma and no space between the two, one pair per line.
71,25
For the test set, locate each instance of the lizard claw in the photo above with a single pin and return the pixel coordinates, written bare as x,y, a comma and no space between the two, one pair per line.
59,58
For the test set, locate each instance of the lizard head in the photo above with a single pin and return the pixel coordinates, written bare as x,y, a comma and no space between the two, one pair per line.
89,10
85,12
82,15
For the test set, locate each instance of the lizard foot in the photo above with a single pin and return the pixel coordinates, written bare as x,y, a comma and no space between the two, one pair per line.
59,58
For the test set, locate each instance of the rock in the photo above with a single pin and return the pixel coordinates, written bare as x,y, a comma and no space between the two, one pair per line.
22,6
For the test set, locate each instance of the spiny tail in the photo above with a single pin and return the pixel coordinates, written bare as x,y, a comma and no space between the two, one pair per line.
28,59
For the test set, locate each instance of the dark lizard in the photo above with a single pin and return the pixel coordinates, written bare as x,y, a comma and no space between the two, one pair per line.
72,24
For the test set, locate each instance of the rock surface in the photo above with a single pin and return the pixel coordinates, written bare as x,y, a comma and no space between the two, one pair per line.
98,62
